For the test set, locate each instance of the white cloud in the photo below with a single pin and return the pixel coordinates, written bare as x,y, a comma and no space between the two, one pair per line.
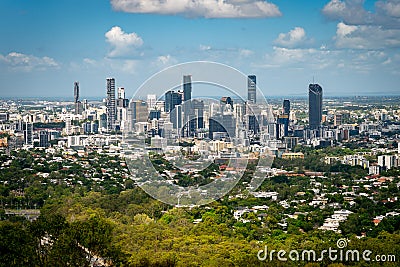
200,8
166,60
204,47
362,29
352,12
391,8
366,37
245,52
23,62
89,61
361,61
122,44
293,38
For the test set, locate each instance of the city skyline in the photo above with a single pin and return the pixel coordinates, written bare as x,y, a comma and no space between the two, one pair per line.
350,47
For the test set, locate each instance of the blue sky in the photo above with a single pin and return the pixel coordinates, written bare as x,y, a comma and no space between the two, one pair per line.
351,47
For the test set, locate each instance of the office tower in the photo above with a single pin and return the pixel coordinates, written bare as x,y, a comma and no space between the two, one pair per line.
253,125
78,104
251,88
283,119
137,112
154,114
110,104
315,106
187,87
76,91
121,92
28,133
286,106
175,117
103,121
151,101
222,124
68,126
337,119
121,107
226,100
171,100
198,107
44,138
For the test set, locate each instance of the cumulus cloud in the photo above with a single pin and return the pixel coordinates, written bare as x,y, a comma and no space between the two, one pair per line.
391,8
366,37
352,12
293,38
362,29
361,61
23,62
122,44
200,8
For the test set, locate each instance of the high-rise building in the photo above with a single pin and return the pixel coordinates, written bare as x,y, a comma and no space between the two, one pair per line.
28,133
137,112
121,92
76,91
151,101
110,104
251,88
222,124
44,138
226,100
187,87
315,106
78,104
286,106
283,119
171,100
337,119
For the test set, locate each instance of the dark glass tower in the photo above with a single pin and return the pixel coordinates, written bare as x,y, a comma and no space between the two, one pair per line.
251,88
286,106
171,100
110,104
187,87
78,104
76,92
315,106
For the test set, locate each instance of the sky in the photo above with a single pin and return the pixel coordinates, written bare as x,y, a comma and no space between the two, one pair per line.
349,47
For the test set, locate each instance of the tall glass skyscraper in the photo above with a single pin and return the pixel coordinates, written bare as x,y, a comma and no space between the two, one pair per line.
76,92
187,87
286,106
315,106
110,104
78,104
251,88
171,100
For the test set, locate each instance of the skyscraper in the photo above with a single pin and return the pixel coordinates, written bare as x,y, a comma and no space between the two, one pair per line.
76,91
171,100
151,101
78,104
315,106
251,88
187,87
110,104
286,106
121,92
283,119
